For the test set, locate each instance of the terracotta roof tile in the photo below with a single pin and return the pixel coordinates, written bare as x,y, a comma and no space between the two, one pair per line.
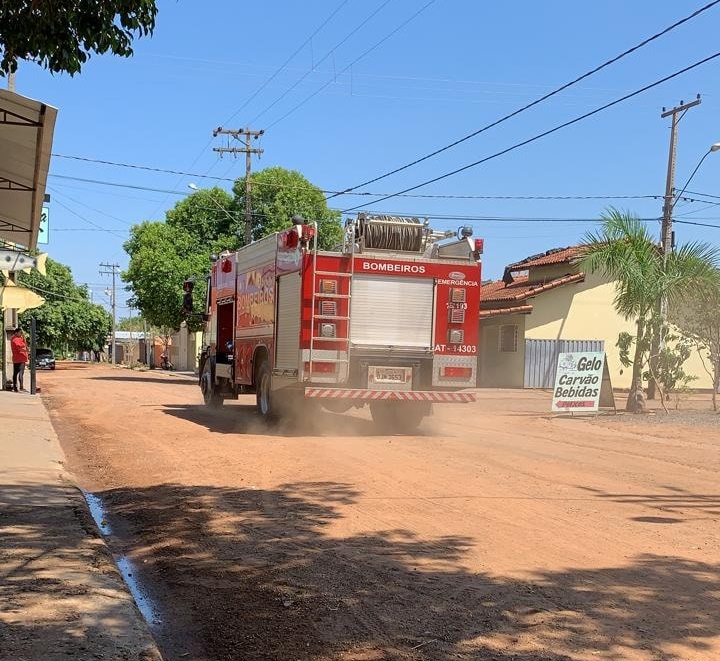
554,256
521,289
517,309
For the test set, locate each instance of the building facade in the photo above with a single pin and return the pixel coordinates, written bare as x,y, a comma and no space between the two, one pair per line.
544,304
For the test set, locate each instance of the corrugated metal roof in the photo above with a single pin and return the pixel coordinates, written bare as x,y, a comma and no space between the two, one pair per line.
26,135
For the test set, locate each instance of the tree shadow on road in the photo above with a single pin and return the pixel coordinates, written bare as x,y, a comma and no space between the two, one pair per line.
284,574
673,500
60,594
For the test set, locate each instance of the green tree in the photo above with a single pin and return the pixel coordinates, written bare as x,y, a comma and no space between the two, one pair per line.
68,321
164,254
699,320
61,35
624,251
208,215
278,194
161,258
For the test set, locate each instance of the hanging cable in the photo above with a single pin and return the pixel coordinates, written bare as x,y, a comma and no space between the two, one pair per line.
537,101
285,63
544,134
357,59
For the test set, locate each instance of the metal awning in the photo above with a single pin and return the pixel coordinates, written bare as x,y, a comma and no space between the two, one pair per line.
26,135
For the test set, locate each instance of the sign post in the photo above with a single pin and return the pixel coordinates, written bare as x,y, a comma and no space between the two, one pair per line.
582,383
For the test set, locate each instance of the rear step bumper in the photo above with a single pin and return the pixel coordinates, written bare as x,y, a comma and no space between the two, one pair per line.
398,395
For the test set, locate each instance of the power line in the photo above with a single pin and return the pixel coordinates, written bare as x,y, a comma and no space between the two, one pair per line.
52,293
438,196
548,132
144,167
284,64
325,57
85,229
716,197
540,99
692,199
267,82
82,204
356,60
119,185
90,222
692,222
511,219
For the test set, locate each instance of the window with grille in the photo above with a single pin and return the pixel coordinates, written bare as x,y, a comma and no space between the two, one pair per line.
508,338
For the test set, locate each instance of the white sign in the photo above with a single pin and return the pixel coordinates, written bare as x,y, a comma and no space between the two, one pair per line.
578,381
44,231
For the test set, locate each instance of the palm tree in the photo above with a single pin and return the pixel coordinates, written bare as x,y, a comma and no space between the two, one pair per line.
624,251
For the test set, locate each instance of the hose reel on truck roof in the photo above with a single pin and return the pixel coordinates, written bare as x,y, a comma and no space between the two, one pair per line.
407,234
395,233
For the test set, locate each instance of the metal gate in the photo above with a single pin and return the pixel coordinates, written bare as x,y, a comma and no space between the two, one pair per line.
541,358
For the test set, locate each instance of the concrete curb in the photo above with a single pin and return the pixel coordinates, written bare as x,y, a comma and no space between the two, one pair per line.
62,595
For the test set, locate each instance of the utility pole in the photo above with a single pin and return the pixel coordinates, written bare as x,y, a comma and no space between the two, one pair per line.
677,114
113,270
666,231
247,136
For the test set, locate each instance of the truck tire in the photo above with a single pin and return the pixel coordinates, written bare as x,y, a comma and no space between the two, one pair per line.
398,417
263,392
212,398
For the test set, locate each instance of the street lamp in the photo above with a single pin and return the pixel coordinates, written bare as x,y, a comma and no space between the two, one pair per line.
216,203
713,148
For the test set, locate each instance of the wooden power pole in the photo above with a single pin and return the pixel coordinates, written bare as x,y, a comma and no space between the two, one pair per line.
666,232
245,136
113,270
676,114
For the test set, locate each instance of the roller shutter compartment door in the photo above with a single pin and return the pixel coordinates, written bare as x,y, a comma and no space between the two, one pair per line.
287,346
392,311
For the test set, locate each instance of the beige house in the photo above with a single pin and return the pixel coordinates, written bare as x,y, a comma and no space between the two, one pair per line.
545,304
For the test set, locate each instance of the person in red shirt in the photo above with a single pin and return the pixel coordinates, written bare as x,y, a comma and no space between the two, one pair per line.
19,357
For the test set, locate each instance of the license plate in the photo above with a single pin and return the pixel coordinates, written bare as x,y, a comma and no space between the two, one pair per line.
398,376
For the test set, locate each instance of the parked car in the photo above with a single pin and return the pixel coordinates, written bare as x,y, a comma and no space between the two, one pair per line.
44,359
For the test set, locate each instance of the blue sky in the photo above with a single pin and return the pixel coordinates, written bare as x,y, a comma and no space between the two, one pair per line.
456,66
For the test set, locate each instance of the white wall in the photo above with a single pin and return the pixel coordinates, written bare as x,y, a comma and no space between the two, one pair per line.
501,369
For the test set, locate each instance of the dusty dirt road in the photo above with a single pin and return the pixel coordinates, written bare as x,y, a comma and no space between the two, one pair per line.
496,533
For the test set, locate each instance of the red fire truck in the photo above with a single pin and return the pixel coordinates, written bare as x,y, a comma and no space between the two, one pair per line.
390,319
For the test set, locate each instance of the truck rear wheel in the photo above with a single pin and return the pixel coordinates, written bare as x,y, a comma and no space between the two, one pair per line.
212,398
398,417
263,392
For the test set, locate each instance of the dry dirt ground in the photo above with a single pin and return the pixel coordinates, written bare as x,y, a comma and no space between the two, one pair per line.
497,533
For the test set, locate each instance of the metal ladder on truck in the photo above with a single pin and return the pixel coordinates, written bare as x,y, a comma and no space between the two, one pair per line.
325,306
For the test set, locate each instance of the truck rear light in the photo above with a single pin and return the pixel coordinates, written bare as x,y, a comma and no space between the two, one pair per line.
457,316
457,372
291,239
307,233
328,308
320,368
479,246
328,286
456,336
457,295
328,330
